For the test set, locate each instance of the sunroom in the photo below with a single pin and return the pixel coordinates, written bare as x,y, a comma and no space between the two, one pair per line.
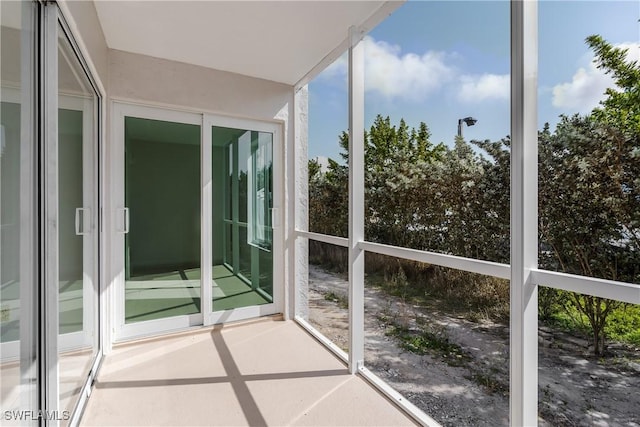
158,242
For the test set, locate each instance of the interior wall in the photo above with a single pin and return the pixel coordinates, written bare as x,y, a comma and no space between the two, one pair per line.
10,192
10,70
70,182
163,192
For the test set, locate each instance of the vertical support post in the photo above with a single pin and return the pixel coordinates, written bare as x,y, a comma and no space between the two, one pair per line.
524,214
356,201
298,189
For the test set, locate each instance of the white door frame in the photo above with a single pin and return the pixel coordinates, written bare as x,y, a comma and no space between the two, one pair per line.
72,341
85,337
55,27
275,128
119,219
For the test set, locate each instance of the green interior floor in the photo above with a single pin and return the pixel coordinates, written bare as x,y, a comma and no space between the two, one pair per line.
149,297
178,293
70,309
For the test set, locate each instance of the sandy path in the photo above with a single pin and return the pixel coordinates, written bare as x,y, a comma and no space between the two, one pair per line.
574,389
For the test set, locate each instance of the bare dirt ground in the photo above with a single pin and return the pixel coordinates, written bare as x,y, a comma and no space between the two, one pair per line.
575,389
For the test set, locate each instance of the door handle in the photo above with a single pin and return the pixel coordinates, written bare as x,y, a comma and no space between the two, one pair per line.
275,217
80,213
125,212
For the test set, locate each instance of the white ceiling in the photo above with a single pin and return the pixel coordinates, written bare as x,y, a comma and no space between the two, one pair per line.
274,40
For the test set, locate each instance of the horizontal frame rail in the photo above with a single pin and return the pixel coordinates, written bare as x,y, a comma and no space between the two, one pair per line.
325,238
602,288
494,269
610,289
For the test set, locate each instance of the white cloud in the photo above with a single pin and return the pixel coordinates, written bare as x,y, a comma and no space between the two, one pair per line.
338,68
633,50
408,76
588,84
395,75
584,92
478,88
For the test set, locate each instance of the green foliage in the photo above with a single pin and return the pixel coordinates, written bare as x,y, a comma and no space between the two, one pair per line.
328,199
620,111
589,193
342,301
430,341
624,324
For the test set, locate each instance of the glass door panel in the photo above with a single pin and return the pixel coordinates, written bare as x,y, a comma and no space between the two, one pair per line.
162,194
242,169
18,333
77,201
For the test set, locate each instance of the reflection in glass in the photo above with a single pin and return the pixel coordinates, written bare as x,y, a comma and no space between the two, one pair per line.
242,234
18,362
162,192
77,225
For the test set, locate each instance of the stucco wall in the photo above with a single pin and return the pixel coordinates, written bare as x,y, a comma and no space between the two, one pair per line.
144,78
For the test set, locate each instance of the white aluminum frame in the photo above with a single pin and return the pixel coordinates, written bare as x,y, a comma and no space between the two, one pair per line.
325,238
356,200
122,331
523,345
49,255
488,268
619,291
90,322
93,118
277,306
51,342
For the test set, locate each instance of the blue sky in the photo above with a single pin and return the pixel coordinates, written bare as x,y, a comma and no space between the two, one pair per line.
438,61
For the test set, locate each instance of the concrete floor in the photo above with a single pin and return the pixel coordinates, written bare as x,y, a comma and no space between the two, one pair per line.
73,369
264,372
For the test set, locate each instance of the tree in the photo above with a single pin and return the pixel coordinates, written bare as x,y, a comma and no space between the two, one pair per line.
589,186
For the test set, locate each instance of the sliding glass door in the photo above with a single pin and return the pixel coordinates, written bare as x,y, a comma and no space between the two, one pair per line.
193,225
77,229
242,236
49,222
162,194
19,359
